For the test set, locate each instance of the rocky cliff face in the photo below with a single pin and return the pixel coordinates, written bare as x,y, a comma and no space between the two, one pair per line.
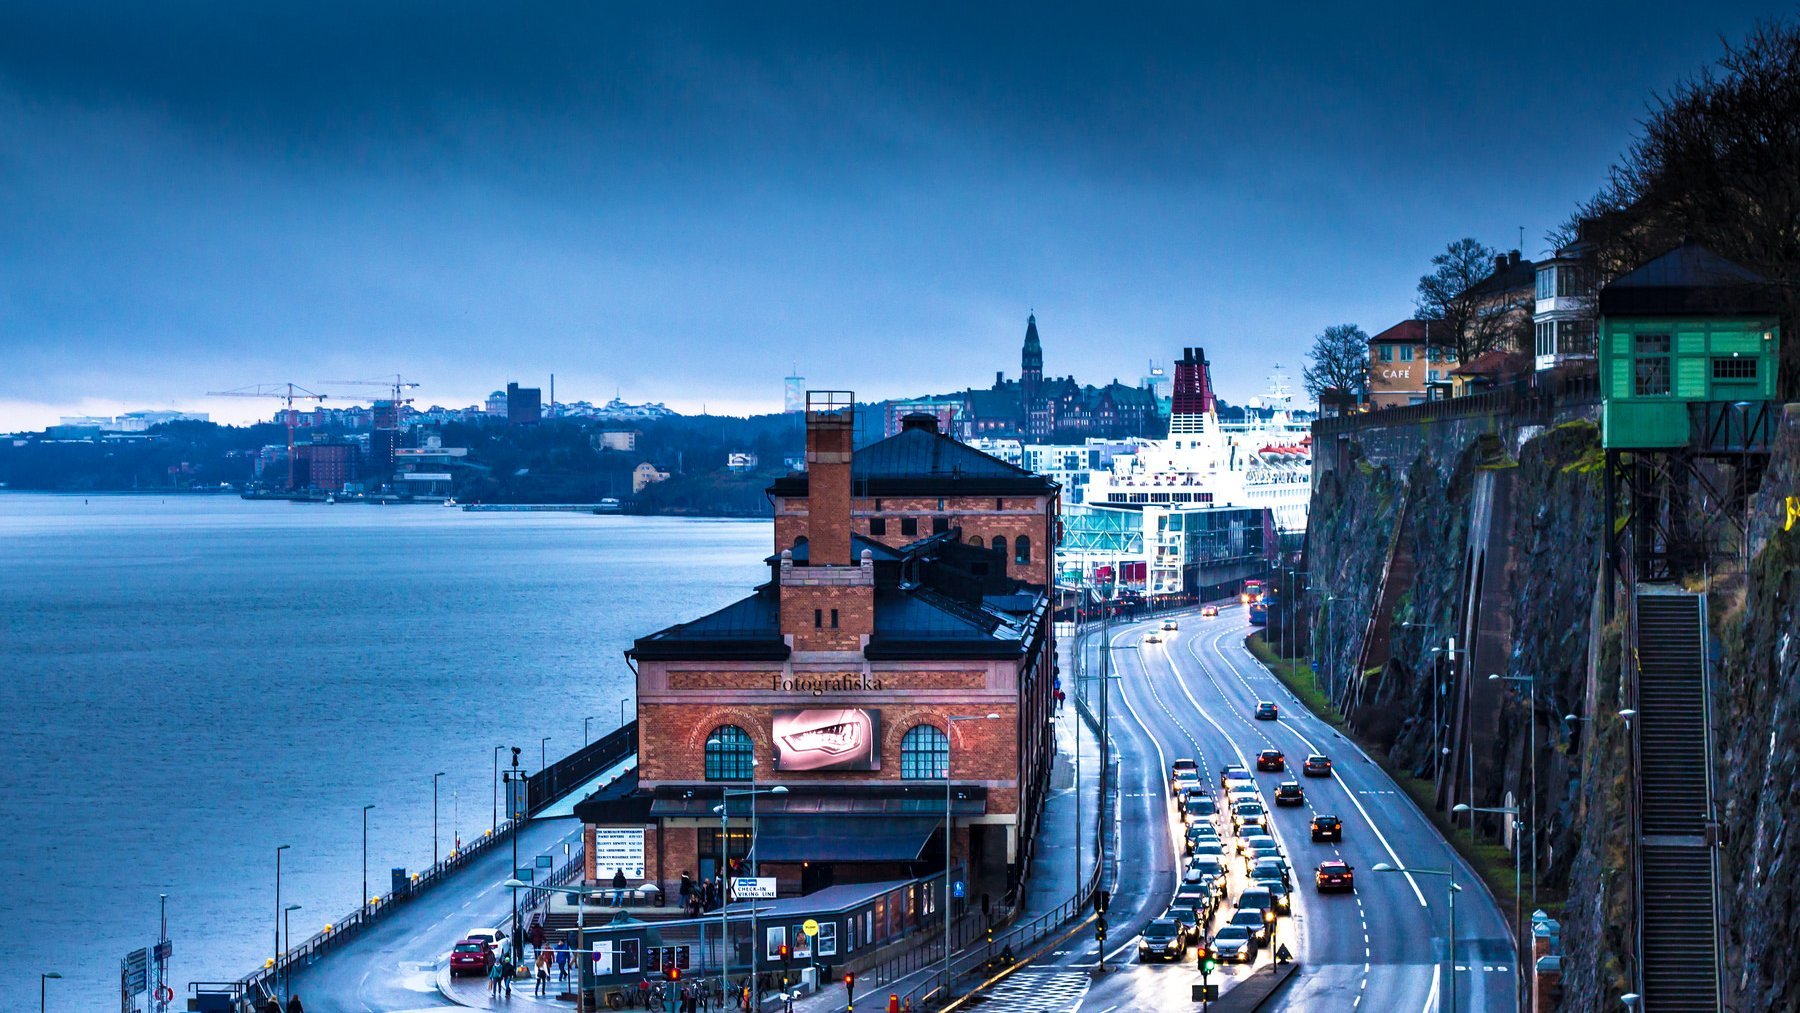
1756,720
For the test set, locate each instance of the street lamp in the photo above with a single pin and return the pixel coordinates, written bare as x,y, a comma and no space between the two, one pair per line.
1631,1000
1531,682
280,954
434,818
543,752
621,712
723,809
1449,874
365,893
287,976
950,721
1518,825
44,987
584,729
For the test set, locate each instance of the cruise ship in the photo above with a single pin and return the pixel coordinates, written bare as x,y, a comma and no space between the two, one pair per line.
1204,508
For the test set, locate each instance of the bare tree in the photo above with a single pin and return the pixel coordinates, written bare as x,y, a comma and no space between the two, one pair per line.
1472,323
1339,358
1716,163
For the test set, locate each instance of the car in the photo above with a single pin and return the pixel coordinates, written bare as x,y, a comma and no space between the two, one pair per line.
470,956
1271,761
1262,850
491,938
1182,781
1184,763
1234,944
1210,612
1290,793
1151,638
1252,920
1238,795
1204,867
1198,806
1326,827
1335,875
1279,891
1271,867
1316,765
1170,624
1266,711
1248,814
1202,832
1259,898
1199,899
1186,920
1206,848
1162,939
1234,772
1250,841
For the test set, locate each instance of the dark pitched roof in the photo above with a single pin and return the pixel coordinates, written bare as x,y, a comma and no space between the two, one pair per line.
920,462
747,628
1413,332
1516,275
1689,279
879,552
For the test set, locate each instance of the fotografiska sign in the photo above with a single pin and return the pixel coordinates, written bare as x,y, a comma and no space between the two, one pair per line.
819,685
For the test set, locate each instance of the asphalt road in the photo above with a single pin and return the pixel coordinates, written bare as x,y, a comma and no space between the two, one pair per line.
393,965
1194,695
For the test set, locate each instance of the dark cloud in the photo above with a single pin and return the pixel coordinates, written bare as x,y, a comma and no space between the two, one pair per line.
681,199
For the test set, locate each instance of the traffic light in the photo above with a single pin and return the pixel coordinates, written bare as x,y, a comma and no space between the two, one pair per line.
1100,928
850,989
1206,961
782,952
672,972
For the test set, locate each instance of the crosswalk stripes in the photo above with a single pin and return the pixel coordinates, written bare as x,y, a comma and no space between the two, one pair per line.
1037,991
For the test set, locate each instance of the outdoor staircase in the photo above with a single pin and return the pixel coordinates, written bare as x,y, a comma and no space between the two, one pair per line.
1678,917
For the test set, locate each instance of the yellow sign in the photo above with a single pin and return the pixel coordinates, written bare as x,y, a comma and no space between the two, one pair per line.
1793,505
810,927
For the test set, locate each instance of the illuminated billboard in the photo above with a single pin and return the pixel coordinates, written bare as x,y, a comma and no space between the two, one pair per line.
828,738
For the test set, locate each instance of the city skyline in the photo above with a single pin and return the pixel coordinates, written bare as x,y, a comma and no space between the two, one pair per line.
670,204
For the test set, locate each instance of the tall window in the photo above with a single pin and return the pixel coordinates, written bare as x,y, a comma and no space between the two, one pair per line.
729,753
1650,361
1385,353
1022,550
1406,353
1000,547
925,753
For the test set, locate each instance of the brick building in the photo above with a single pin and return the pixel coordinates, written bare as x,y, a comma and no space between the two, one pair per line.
835,680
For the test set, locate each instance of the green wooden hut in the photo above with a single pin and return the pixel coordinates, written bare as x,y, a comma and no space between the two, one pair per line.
1686,335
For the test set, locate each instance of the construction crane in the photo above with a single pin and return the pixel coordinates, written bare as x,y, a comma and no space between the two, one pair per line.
395,386
287,392
383,440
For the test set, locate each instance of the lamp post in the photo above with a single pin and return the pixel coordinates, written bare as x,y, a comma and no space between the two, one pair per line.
44,988
365,893
280,954
584,730
1531,825
512,818
287,976
950,721
544,752
434,818
1518,825
1450,950
621,712
723,809
1450,650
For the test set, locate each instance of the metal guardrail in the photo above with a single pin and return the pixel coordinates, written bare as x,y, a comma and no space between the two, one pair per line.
577,768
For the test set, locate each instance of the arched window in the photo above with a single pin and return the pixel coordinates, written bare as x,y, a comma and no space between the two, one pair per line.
924,753
1000,547
729,753
975,541
1022,550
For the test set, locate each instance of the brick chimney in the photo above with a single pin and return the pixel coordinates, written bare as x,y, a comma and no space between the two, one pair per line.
830,440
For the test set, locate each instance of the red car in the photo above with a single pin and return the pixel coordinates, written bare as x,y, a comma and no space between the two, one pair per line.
1336,875
1271,760
470,956
1316,765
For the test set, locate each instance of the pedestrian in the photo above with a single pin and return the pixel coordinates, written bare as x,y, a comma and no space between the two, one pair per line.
619,887
537,937
543,973
506,980
294,1005
495,970
687,887
562,961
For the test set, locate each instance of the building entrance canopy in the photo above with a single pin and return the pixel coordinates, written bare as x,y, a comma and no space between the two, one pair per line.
831,839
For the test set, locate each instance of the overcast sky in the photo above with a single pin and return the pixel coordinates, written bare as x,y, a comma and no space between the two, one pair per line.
681,201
